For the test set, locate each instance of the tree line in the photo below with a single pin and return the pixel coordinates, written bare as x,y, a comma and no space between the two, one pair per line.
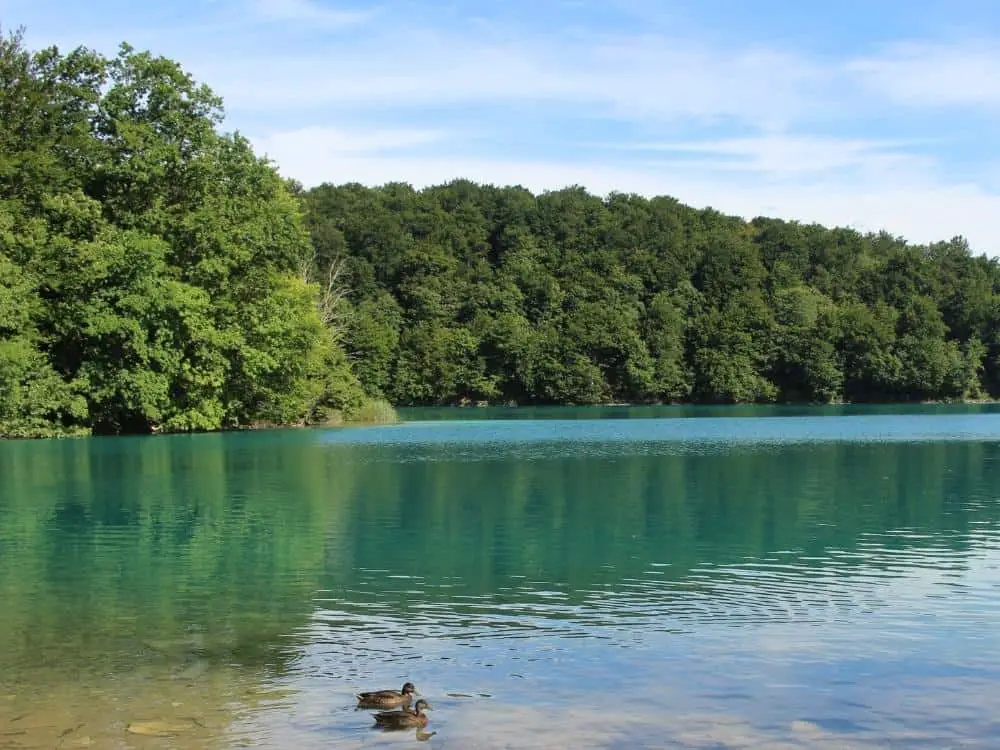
157,275
465,292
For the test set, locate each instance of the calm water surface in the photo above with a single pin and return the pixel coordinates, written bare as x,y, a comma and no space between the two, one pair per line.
689,578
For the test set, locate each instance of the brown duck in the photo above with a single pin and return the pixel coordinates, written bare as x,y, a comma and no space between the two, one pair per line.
387,698
405,718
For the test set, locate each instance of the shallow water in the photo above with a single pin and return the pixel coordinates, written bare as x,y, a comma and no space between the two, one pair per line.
596,578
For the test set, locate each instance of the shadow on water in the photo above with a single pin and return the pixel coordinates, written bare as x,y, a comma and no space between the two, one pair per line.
689,411
647,588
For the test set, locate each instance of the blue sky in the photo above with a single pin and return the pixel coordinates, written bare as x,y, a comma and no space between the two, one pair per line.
877,115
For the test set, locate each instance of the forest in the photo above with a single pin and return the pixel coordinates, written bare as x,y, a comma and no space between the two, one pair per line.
464,293
156,275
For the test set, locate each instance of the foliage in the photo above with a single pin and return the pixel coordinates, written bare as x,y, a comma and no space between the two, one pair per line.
464,292
150,267
374,411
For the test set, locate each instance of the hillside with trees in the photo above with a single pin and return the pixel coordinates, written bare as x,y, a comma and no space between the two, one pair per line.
464,292
158,276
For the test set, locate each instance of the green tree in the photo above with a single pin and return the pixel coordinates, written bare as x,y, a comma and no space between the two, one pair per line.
150,265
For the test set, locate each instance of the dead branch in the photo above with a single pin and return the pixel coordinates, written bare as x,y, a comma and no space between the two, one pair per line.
329,302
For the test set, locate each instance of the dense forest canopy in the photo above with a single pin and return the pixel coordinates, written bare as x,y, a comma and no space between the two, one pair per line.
465,292
157,275
154,274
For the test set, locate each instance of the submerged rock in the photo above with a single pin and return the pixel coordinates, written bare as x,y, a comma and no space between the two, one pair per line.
164,728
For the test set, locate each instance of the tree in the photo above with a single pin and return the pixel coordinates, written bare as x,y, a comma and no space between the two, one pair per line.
151,266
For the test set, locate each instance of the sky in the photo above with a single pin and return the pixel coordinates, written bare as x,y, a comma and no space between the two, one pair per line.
875,115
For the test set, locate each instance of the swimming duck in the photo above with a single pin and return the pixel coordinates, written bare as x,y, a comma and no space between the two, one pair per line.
404,718
387,698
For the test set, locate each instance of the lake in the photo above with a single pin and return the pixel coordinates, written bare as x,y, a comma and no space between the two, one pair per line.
683,577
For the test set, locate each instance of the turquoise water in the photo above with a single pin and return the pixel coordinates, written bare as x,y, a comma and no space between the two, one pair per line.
640,577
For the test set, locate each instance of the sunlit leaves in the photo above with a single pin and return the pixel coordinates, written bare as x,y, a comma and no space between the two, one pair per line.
149,266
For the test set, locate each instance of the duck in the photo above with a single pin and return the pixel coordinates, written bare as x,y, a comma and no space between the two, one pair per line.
387,698
404,718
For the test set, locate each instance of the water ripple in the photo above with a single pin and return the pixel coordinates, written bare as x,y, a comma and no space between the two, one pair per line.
728,582
780,589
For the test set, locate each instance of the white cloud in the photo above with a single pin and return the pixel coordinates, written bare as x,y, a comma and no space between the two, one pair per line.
778,155
324,144
314,155
309,11
632,78
934,74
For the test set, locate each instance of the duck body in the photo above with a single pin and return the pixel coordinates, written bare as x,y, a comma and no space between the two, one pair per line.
387,698
403,719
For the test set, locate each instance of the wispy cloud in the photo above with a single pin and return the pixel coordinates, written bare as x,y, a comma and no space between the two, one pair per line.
325,145
309,11
778,155
629,78
934,74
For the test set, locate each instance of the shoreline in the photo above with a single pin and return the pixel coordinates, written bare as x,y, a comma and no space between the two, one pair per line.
399,419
